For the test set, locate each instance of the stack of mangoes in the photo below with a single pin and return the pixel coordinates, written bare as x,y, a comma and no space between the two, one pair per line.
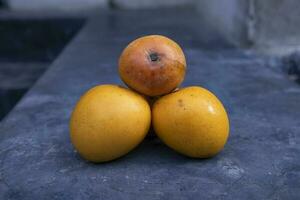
109,120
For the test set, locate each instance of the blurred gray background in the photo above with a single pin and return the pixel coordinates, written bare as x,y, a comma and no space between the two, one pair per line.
263,25
33,32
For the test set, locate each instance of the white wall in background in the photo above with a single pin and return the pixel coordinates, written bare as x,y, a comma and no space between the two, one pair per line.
136,4
71,5
226,19
59,5
267,25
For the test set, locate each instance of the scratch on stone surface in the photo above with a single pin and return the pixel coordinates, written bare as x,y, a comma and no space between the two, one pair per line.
230,169
64,170
50,150
234,171
291,139
104,178
34,100
292,90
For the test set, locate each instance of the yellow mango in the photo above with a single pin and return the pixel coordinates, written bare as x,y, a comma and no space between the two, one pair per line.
192,121
108,122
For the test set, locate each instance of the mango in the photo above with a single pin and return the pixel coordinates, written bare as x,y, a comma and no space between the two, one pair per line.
192,121
108,122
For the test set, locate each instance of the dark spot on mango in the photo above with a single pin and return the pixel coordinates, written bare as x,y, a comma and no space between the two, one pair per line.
180,103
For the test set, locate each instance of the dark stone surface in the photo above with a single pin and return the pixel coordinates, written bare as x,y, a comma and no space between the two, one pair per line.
291,66
35,39
15,79
260,161
28,46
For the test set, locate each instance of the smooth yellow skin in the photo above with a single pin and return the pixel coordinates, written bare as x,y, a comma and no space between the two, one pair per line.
108,122
192,121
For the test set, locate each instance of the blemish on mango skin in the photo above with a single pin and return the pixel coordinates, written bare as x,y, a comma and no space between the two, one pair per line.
180,103
159,62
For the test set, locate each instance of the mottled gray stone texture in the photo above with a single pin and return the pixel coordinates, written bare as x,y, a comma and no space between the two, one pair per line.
260,161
